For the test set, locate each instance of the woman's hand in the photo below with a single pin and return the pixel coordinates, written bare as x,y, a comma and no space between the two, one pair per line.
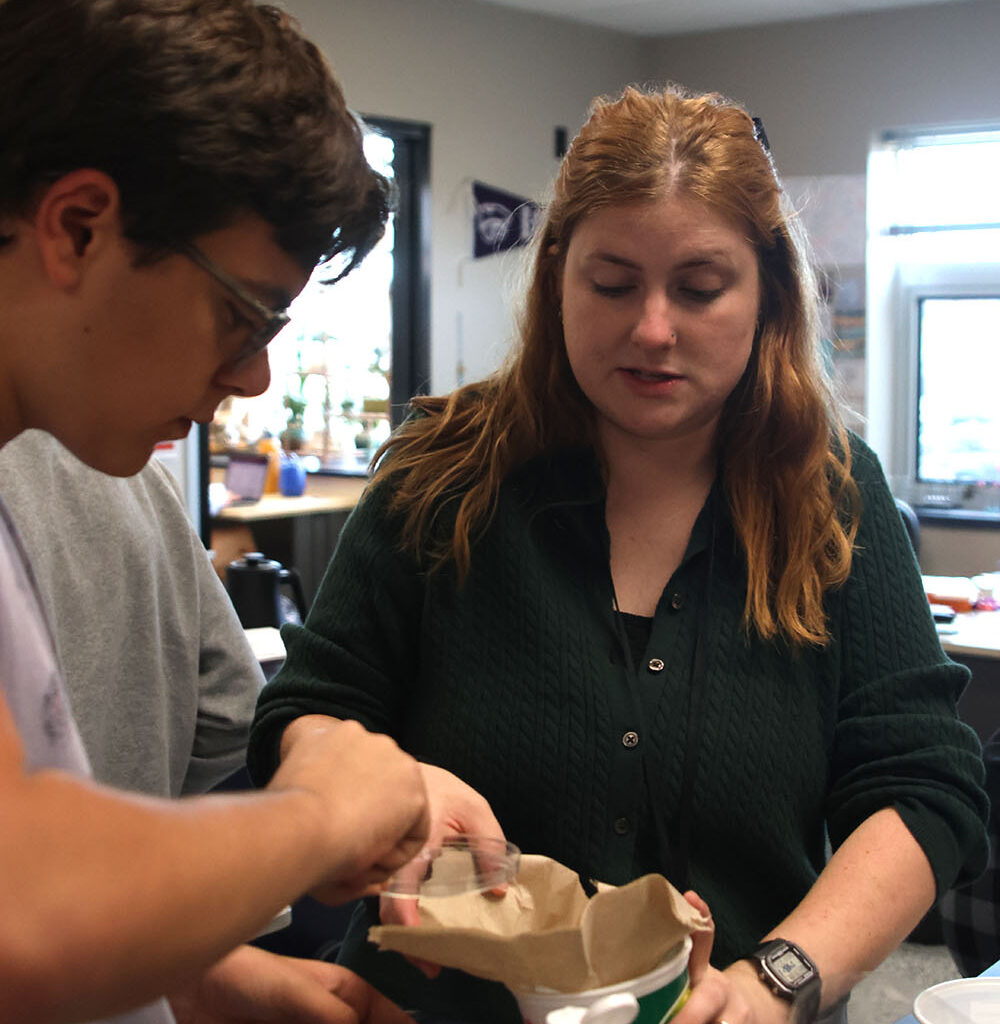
733,996
455,809
371,807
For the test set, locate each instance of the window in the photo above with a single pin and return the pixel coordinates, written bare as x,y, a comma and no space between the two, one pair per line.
958,412
355,352
934,292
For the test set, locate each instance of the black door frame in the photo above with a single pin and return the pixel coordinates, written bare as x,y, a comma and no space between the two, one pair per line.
411,281
410,290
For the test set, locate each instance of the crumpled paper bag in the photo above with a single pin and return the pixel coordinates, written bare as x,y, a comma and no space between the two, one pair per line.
545,931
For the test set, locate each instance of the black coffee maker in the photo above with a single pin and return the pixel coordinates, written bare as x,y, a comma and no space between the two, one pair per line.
264,592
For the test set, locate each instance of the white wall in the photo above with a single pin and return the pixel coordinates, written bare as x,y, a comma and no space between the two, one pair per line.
824,88
493,83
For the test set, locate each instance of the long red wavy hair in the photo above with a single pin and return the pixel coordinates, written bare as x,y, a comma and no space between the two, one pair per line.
784,453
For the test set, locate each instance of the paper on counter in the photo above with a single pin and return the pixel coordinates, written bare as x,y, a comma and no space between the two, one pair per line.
958,592
545,932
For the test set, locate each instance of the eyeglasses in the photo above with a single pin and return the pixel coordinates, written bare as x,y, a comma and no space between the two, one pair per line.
272,320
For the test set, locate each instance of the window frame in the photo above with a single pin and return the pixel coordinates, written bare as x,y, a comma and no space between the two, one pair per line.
918,283
895,289
411,284
410,290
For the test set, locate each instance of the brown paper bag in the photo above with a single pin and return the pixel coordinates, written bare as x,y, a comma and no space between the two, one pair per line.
546,932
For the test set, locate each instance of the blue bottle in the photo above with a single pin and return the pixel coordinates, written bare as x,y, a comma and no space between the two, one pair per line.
292,475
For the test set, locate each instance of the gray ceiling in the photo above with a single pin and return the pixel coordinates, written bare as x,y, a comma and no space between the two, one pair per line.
668,17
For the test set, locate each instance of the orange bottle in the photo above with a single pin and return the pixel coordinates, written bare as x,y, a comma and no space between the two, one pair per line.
271,446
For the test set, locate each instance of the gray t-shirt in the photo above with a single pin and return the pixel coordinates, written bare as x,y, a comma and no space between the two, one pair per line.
161,679
31,683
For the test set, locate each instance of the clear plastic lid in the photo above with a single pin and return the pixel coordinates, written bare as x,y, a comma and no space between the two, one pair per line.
460,864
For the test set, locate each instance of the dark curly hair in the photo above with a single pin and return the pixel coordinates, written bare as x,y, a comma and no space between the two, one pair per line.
200,110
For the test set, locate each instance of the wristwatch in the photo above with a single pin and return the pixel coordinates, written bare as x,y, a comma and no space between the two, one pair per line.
791,975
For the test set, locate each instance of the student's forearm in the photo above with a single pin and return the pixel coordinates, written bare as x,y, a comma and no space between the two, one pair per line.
109,899
199,876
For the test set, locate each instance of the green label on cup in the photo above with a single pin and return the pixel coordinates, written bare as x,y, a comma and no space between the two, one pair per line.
665,1003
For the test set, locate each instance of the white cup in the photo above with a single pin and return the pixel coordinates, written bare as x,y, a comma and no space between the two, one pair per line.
963,1001
651,998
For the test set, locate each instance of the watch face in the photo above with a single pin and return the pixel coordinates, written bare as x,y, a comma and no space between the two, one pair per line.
788,966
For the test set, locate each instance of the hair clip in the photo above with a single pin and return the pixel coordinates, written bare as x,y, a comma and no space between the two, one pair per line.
760,135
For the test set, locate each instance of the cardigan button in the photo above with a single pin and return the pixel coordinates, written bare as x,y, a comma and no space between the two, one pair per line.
621,826
630,739
655,665
677,602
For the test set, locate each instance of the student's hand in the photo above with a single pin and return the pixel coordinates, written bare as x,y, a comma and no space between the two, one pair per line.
371,801
455,809
252,985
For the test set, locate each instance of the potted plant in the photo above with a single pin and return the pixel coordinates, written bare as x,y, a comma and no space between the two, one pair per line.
293,437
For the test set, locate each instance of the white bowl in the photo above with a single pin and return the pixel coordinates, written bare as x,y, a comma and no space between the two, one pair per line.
965,1001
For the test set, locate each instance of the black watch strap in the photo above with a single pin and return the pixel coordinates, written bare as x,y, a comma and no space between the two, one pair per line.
791,975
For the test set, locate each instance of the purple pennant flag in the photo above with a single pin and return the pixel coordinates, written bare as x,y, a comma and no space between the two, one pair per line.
502,220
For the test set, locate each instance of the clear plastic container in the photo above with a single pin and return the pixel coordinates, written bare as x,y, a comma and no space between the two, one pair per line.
460,864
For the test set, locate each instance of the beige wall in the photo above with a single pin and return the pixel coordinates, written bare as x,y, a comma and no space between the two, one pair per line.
948,552
493,83
824,86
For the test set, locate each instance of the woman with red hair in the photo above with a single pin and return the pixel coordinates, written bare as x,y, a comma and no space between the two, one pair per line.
639,601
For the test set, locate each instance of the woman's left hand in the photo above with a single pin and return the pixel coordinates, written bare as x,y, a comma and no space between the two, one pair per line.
733,996
455,808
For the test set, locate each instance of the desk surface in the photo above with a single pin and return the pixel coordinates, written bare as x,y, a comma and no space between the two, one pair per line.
266,643
338,494
975,633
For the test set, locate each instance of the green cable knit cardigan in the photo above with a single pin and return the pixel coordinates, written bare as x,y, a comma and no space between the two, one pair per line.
517,683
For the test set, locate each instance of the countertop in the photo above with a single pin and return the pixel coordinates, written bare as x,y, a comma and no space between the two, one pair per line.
972,633
331,494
